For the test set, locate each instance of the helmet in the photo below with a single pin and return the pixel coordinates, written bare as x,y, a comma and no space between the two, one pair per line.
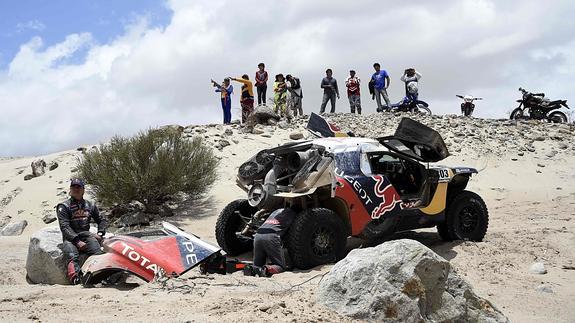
412,88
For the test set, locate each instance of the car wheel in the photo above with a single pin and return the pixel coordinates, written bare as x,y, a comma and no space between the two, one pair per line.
467,217
231,221
316,237
443,232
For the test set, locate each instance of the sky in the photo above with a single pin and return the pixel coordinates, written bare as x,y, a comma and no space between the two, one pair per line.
78,72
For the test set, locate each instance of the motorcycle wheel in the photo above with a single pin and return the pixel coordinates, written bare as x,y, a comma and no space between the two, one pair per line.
557,117
516,114
423,110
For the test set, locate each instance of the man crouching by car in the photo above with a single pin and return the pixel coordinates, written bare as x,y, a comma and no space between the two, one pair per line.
268,244
74,216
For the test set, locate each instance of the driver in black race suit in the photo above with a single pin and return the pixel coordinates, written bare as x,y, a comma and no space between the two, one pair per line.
74,217
268,243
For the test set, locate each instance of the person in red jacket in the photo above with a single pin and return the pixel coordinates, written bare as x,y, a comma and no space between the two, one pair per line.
352,84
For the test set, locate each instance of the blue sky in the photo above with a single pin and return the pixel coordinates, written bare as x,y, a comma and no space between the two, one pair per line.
53,20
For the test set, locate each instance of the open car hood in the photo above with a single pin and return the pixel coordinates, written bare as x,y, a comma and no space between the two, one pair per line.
417,141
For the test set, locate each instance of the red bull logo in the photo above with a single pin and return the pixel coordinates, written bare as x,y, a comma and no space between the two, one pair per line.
389,197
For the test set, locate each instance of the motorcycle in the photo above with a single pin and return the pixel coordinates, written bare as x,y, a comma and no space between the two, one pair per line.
410,103
539,108
467,106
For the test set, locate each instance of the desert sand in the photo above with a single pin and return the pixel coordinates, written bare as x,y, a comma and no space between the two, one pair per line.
530,196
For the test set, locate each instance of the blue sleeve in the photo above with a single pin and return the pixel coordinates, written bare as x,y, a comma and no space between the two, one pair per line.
230,89
218,90
385,74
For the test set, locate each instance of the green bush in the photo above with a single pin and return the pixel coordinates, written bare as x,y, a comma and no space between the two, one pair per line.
148,167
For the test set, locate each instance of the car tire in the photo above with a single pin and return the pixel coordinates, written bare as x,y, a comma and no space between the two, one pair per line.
443,232
467,218
317,236
228,225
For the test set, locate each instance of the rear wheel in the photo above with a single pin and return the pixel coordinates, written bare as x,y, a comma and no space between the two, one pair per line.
423,109
467,218
316,237
516,114
557,117
231,221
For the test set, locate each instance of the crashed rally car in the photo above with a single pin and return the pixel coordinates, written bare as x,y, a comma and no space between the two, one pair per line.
348,186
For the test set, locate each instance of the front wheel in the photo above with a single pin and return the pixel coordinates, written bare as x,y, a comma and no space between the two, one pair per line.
516,114
557,117
467,218
316,237
230,223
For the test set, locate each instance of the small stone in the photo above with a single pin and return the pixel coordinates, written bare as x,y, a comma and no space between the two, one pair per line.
539,138
296,136
540,165
544,289
551,154
53,165
257,131
521,153
223,143
514,159
537,268
28,177
266,135
562,146
228,132
14,228
49,217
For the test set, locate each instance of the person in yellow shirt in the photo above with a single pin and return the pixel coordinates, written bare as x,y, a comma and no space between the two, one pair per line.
247,97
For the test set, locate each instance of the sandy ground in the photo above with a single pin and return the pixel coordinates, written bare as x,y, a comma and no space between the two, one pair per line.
532,211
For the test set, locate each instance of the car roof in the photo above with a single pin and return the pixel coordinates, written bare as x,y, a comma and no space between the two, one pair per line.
349,143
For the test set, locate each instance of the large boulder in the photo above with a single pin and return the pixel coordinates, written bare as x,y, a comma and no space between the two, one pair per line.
14,228
45,263
402,281
261,115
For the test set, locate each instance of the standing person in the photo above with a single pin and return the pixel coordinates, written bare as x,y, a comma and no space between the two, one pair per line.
411,75
261,83
352,84
380,87
330,91
74,217
226,90
247,98
268,243
280,89
295,95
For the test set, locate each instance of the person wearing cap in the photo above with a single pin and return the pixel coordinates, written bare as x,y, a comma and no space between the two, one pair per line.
226,90
352,84
74,216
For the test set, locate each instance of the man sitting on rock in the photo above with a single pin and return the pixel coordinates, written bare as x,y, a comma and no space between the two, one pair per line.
74,216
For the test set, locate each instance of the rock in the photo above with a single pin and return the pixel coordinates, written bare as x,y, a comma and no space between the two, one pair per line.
261,115
173,127
407,282
296,136
537,268
45,263
562,146
551,154
53,165
49,217
228,132
82,149
272,122
544,289
133,219
266,135
28,177
257,131
540,165
283,125
223,143
38,167
14,228
539,138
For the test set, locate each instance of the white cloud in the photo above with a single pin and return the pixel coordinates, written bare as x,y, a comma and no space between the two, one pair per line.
151,76
31,24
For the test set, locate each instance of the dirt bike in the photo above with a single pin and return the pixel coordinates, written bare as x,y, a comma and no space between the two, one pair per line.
467,106
410,103
539,108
